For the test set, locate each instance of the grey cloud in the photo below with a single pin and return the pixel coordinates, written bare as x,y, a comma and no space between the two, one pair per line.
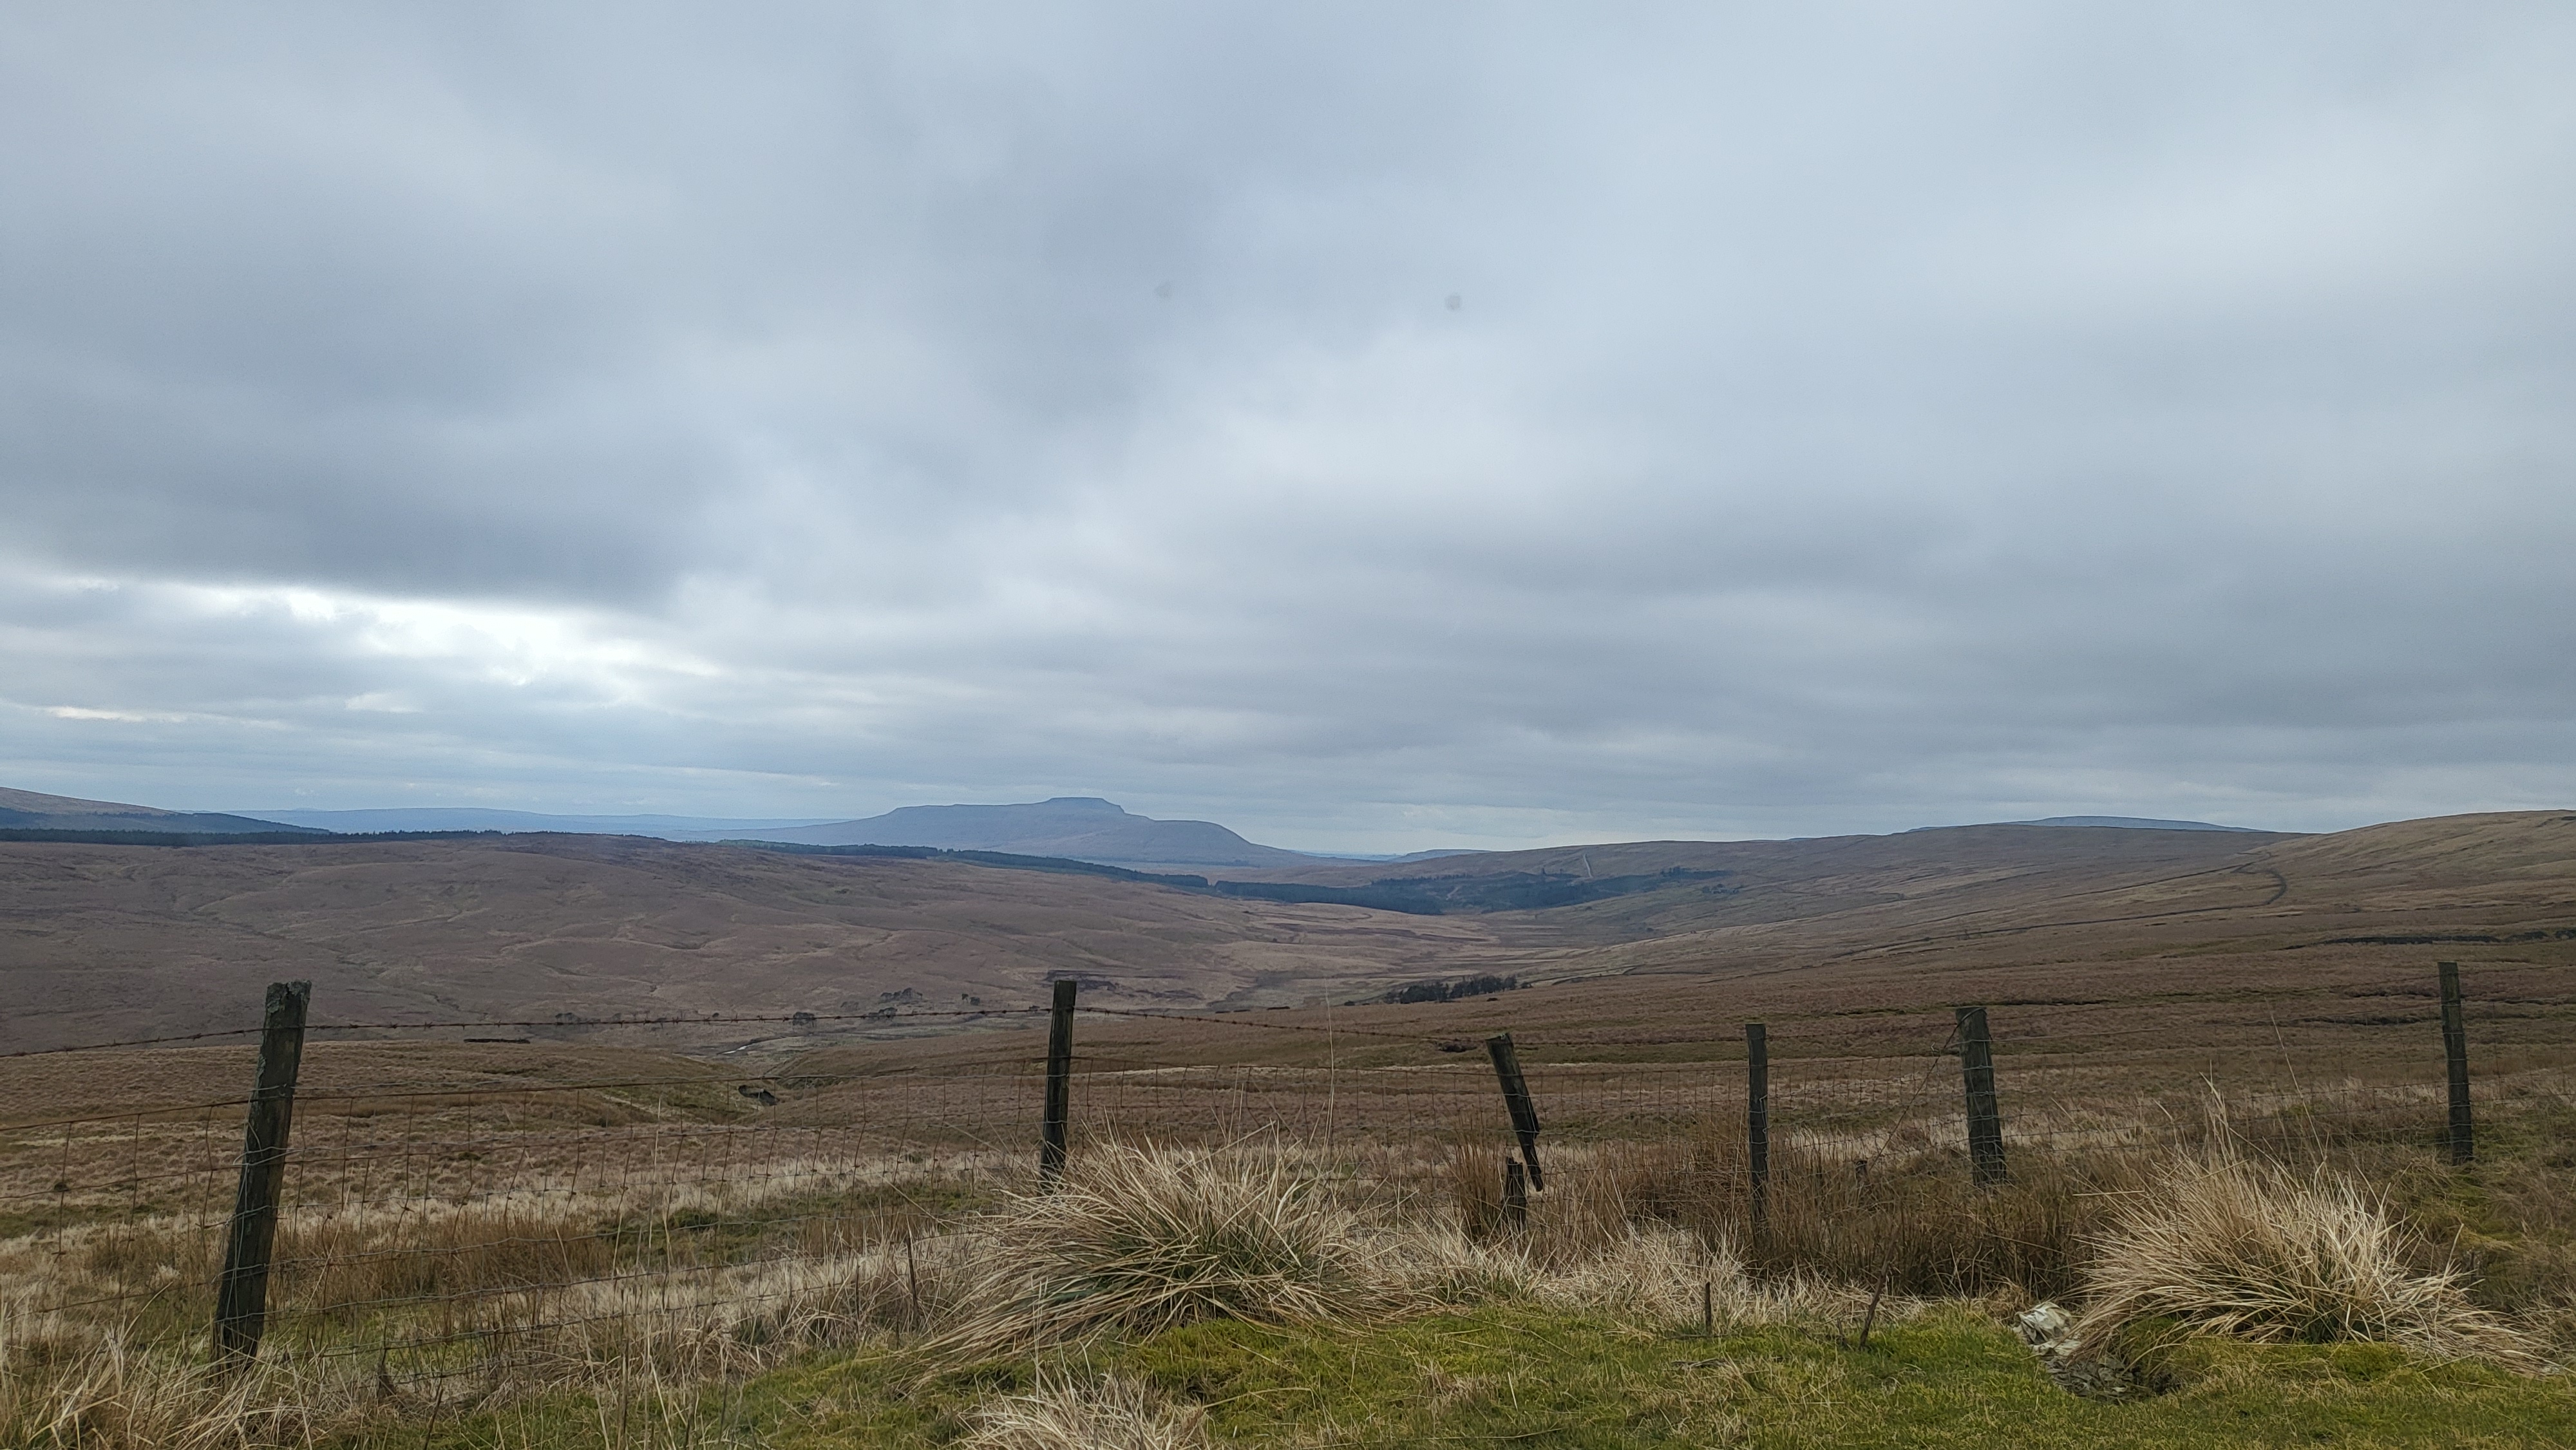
1853,418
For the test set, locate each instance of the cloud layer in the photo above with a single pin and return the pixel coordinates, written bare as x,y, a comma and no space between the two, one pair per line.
1369,430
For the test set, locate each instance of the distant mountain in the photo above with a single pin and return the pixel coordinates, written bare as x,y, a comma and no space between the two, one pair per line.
471,818
25,810
1084,828
2132,823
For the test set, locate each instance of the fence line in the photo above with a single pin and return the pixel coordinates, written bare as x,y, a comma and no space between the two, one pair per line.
448,1228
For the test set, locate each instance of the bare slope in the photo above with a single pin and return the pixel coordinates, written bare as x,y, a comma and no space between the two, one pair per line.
26,810
108,941
117,941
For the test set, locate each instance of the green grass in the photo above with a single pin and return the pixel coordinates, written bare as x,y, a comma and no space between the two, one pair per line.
1516,1376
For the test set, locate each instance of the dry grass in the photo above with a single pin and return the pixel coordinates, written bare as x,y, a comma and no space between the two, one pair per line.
1108,1413
2261,1252
1650,1275
1140,1238
1907,1220
428,1308
508,1285
111,1395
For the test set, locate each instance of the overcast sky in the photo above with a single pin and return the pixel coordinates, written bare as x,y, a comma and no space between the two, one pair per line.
1371,427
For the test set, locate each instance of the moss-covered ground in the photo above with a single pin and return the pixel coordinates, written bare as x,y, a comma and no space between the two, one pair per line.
1524,1377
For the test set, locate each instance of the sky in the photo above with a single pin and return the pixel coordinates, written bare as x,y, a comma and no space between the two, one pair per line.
1370,427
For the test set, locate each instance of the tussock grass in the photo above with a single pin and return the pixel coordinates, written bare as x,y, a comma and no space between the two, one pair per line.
1141,1239
2261,1252
109,1395
1138,1239
1109,1413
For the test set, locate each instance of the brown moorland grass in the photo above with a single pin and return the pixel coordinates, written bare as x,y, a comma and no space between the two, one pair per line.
1264,1232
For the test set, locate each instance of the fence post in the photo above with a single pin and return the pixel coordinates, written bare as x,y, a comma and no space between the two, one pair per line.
1757,1119
1059,1084
1515,1194
241,1296
2455,1047
1516,1097
1985,1120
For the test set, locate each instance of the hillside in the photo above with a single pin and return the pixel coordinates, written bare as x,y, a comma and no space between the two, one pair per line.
119,941
26,810
476,818
115,941
2133,977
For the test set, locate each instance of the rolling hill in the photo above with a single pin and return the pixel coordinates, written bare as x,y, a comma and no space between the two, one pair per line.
478,818
109,941
25,810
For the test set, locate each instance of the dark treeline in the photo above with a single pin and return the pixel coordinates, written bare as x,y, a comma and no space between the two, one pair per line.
1457,991
1437,895
1058,865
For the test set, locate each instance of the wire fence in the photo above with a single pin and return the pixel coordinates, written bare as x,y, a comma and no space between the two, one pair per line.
455,1208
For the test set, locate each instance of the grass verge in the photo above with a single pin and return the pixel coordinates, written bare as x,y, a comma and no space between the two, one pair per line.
1525,1375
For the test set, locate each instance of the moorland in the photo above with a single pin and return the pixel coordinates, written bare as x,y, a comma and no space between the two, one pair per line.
736,1226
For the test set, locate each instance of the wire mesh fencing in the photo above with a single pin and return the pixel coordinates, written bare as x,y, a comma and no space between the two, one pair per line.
512,1200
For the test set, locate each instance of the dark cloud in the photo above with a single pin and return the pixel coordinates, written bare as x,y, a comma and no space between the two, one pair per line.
1848,419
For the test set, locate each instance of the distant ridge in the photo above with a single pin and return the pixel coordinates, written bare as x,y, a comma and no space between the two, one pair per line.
476,818
26,810
1083,828
106,942
2134,823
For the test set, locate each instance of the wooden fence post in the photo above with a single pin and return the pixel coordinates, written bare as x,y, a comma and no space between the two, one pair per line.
2462,1135
1059,1084
1516,1097
241,1296
1985,1120
1515,1194
1757,1119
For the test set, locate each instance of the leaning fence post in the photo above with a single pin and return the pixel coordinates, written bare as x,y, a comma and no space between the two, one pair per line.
1516,1097
1985,1120
241,1296
1757,1118
1059,1084
2455,1047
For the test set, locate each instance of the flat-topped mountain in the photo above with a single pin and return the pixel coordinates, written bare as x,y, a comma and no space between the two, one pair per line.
1085,828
